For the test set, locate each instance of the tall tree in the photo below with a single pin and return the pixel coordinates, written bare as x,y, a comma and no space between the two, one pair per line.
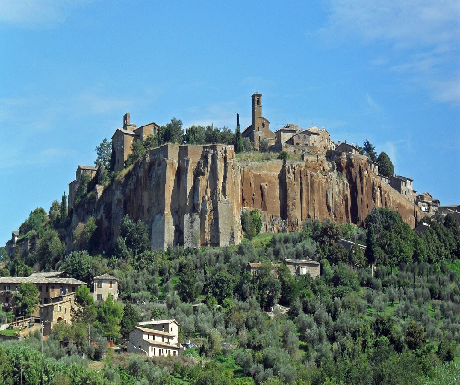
186,287
195,135
27,298
78,265
130,319
173,132
86,310
36,220
371,247
369,149
104,154
50,250
54,212
238,140
109,316
386,167
63,208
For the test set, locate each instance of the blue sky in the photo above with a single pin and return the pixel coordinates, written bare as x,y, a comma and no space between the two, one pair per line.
386,71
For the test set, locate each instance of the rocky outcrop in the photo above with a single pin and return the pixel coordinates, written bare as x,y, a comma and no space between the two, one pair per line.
187,195
193,195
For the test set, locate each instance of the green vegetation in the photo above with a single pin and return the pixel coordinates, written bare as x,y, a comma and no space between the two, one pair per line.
251,223
369,150
386,167
26,299
283,155
398,323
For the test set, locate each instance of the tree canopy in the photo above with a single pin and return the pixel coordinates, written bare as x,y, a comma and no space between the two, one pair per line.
369,150
386,167
27,299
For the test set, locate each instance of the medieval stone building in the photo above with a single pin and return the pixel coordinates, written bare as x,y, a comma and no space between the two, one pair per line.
259,130
123,139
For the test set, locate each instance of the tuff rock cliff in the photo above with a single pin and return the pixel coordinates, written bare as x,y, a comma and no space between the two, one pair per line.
193,195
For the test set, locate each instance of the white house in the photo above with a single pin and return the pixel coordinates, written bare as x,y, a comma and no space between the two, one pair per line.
155,338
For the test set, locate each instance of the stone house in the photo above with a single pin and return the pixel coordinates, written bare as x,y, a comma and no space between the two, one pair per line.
313,140
73,186
284,134
403,185
303,267
155,338
255,267
347,148
56,296
259,130
12,243
103,286
123,139
427,204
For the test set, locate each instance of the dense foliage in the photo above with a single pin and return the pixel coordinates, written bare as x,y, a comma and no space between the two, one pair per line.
398,323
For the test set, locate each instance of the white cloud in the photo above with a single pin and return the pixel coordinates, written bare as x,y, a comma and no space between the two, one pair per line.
97,104
37,13
405,23
423,35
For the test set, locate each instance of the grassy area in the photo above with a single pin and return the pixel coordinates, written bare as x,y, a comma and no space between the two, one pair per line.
9,332
121,175
255,156
262,240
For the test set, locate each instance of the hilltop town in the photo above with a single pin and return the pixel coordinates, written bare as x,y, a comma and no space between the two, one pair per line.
254,248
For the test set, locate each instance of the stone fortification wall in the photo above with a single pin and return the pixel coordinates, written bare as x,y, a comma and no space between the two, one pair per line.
193,195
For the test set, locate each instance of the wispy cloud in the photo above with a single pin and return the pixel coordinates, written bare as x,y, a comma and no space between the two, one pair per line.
99,104
37,13
219,114
423,35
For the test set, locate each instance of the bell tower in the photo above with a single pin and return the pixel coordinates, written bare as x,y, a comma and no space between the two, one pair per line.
256,111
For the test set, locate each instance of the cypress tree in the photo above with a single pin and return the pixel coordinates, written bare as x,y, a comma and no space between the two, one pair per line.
63,208
238,140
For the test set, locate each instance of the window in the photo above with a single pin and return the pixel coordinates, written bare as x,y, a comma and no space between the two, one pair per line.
40,289
59,308
99,284
110,284
73,289
99,297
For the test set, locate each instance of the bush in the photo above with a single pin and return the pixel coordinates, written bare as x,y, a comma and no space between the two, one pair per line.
251,223
283,155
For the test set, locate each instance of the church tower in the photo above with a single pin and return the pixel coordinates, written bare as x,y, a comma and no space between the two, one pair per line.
256,111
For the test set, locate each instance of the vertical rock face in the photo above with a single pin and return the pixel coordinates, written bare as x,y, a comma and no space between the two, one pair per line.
344,190
187,195
192,196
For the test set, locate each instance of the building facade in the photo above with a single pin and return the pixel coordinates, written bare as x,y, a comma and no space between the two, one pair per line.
303,267
155,338
259,130
56,296
123,138
103,286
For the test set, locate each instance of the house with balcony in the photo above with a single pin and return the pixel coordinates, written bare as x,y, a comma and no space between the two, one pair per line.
155,338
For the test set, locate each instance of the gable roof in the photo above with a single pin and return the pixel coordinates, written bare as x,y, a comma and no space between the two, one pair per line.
158,322
41,280
106,276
